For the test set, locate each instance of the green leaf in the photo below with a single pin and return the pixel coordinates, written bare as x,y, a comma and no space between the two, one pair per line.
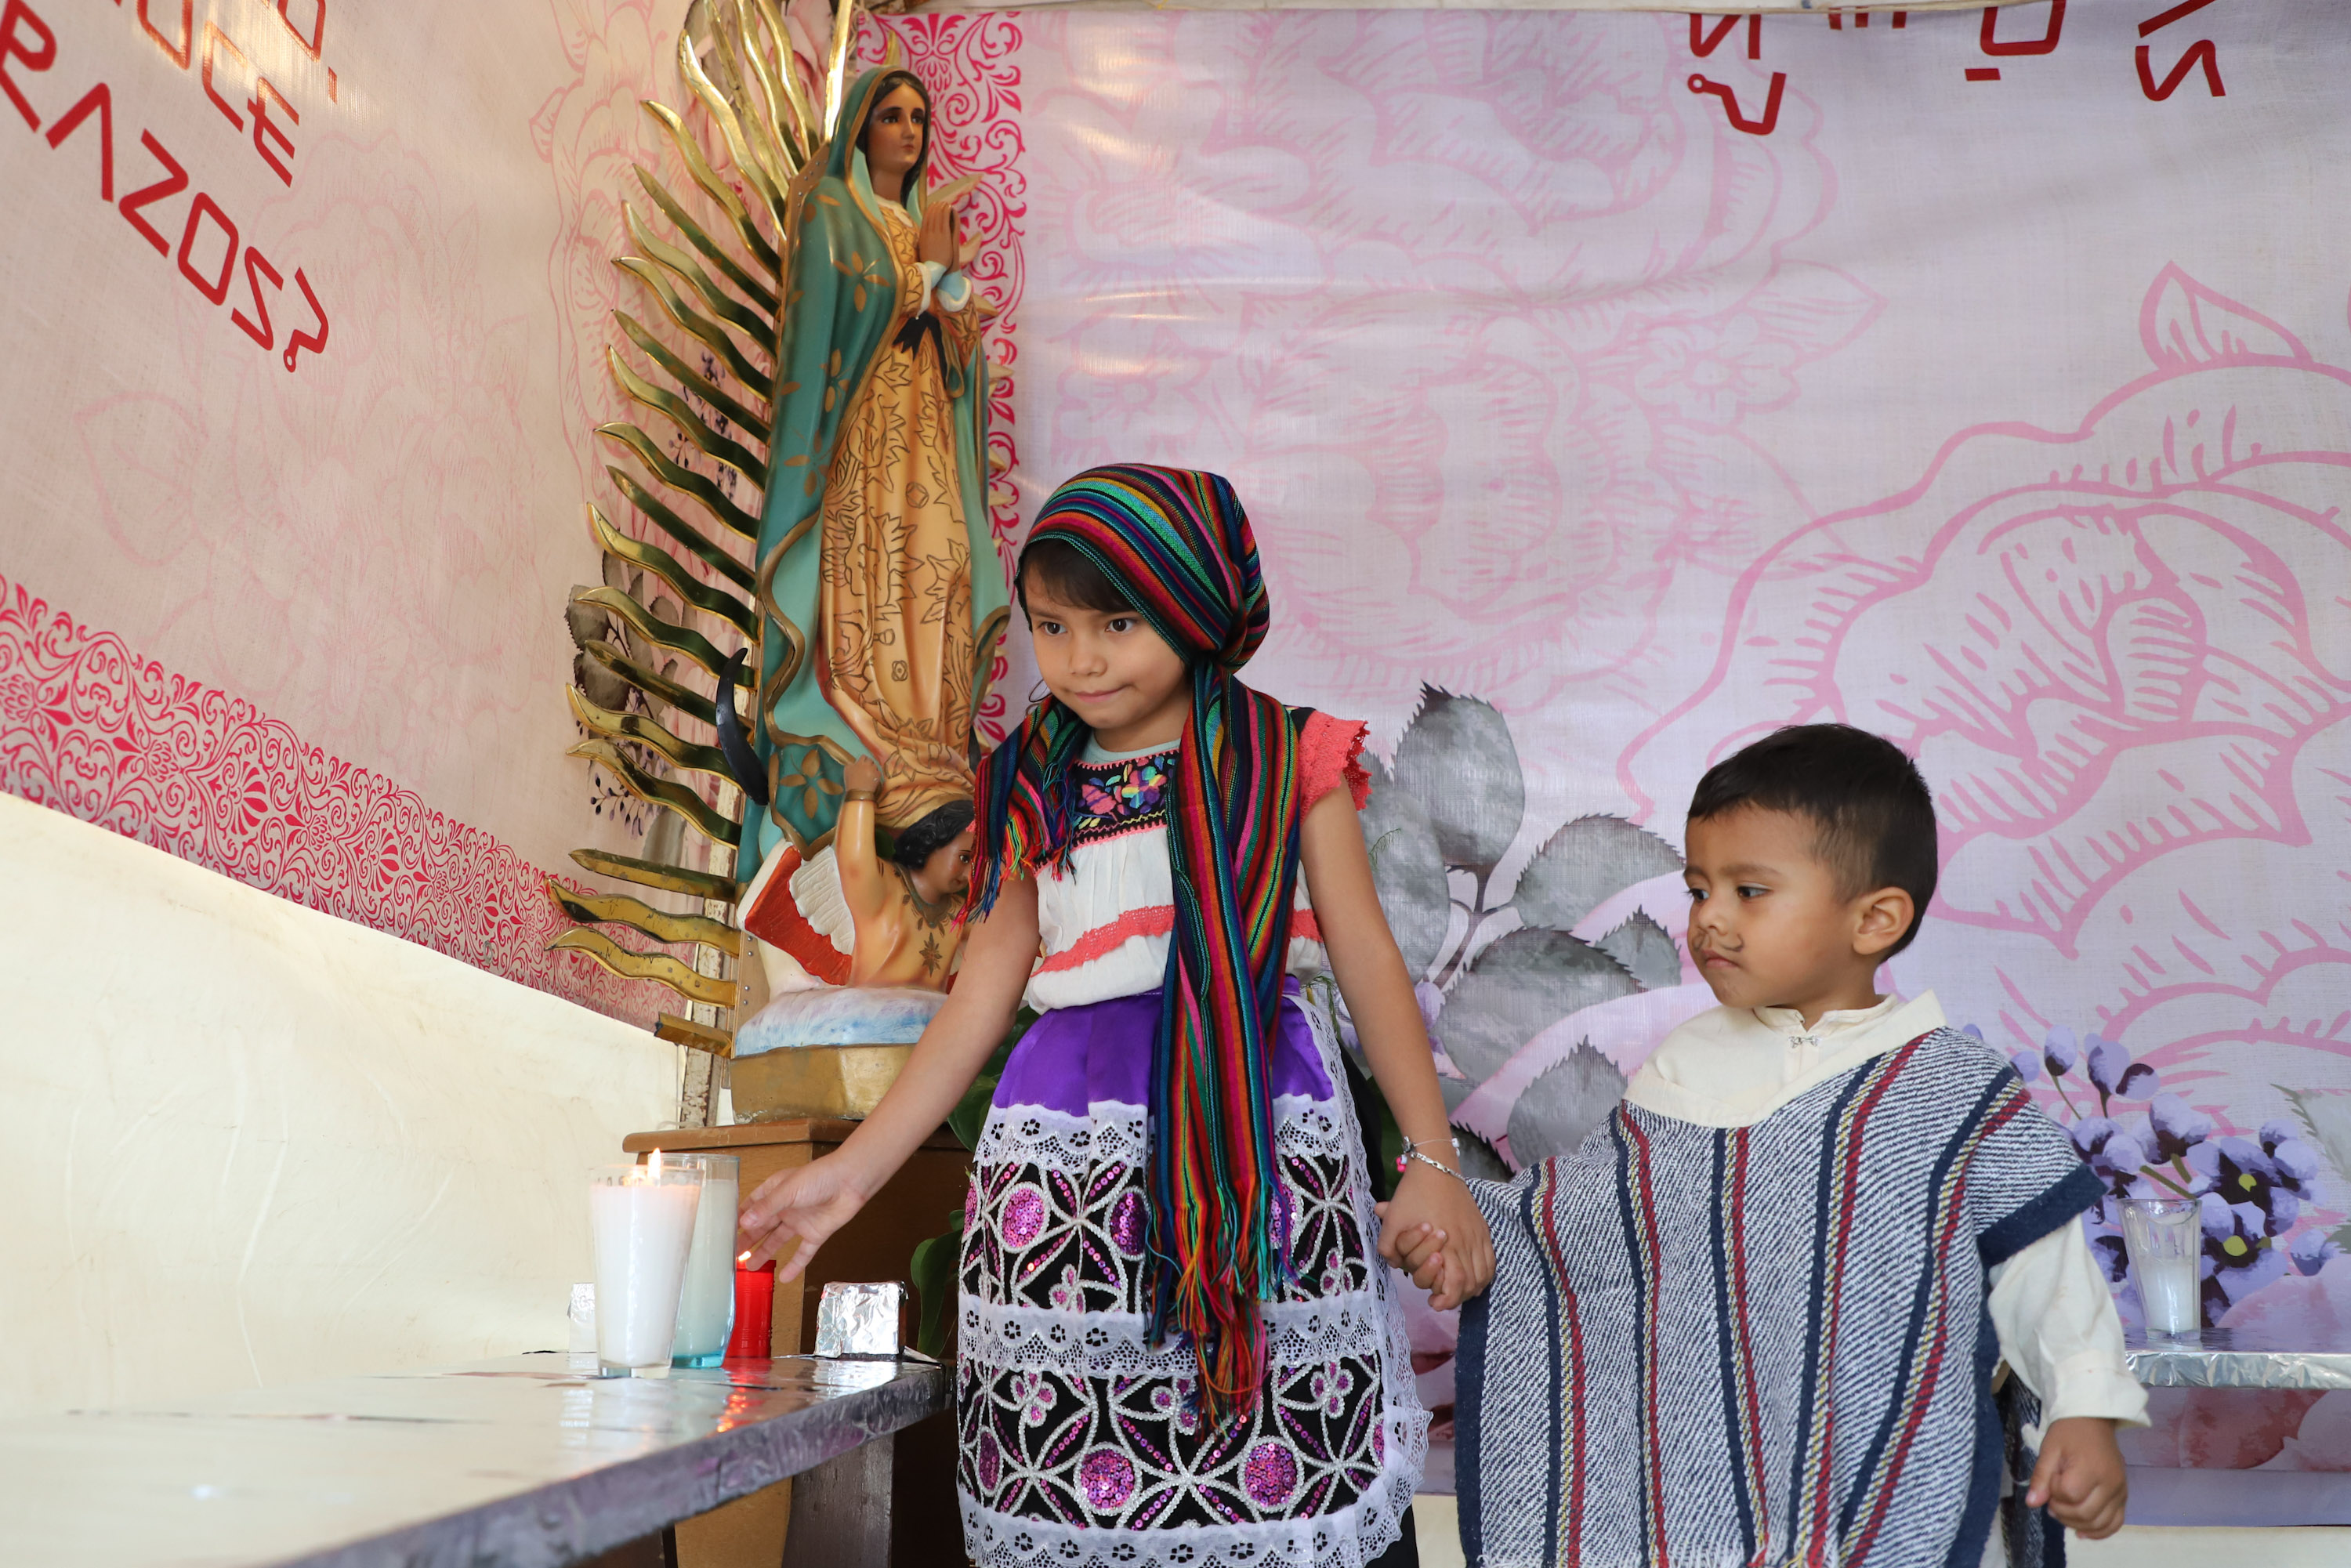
1407,870
1584,863
1456,760
1564,1102
1643,947
932,1273
2326,1117
1517,988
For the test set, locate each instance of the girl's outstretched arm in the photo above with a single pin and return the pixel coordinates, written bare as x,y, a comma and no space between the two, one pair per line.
1432,1226
809,1204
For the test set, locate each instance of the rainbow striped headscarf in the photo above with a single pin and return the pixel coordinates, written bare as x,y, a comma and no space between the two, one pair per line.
1177,542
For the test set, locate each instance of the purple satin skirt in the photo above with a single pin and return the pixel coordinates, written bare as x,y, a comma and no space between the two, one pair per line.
1072,1059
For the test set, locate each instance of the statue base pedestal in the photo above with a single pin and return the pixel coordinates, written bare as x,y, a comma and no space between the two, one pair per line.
828,1051
839,1080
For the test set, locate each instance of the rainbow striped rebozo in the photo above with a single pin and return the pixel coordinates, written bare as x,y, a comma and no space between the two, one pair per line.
1177,543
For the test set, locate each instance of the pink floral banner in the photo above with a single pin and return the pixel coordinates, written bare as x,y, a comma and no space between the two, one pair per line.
1608,389
90,729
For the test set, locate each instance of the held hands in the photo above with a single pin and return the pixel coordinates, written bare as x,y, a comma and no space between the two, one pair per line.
2080,1476
1432,1229
807,1205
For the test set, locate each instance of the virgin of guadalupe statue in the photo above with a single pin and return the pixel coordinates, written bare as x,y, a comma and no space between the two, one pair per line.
879,580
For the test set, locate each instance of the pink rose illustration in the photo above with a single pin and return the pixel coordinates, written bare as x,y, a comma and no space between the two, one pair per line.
1373,267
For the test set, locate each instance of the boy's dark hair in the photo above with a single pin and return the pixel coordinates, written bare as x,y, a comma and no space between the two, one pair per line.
1877,820
1068,573
918,842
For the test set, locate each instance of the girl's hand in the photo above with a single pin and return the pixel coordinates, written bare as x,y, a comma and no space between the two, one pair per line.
806,1205
862,773
936,240
1433,1231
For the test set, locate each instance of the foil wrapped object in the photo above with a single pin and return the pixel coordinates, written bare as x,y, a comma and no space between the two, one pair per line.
861,1320
2238,1358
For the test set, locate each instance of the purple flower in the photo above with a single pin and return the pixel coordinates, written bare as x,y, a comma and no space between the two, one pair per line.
2177,1126
2233,1246
2107,1247
2057,1047
2242,1172
2028,1066
2296,1161
2113,1072
2113,1152
2311,1249
2091,1132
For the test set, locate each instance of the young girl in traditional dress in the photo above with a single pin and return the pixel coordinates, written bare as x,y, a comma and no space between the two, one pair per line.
1176,1346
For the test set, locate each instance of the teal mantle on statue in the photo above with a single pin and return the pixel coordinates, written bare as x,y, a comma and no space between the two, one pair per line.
882,592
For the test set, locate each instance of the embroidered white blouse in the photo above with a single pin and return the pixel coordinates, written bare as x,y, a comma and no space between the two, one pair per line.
1105,922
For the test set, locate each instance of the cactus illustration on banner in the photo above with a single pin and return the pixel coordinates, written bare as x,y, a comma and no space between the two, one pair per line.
1505,980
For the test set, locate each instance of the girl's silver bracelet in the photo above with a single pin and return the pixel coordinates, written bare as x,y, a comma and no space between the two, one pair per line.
1412,1152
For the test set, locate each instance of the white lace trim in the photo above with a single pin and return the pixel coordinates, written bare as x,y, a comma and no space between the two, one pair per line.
1350,1538
1114,1344
1115,1133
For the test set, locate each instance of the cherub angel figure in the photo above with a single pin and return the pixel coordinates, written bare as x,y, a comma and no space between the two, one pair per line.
856,915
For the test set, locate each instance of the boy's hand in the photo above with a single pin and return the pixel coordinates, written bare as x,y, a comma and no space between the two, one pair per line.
2080,1476
1433,1231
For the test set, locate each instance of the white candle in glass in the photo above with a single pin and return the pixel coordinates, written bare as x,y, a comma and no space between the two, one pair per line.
705,1309
643,1218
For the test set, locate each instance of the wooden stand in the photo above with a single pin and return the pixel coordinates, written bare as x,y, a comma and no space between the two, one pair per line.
919,1203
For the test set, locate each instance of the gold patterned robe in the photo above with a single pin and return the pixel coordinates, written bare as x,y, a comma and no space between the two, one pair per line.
896,613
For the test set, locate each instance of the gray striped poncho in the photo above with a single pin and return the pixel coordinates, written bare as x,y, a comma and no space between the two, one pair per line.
1719,1347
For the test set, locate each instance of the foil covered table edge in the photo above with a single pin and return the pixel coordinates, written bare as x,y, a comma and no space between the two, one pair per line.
2189,1365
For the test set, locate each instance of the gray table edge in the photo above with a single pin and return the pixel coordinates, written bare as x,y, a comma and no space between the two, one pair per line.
580,1517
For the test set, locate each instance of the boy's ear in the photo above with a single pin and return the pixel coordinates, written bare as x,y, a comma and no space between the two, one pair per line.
1882,918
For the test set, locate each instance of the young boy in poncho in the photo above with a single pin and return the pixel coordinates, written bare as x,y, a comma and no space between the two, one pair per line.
1814,1293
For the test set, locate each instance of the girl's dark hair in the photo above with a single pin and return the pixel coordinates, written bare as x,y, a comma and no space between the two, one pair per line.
1867,799
1069,575
883,89
917,843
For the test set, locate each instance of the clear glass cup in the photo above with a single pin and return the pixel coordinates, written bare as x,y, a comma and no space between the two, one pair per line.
2165,1237
643,1221
706,1309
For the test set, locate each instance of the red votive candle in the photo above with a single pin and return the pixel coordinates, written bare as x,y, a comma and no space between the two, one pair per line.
755,1313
